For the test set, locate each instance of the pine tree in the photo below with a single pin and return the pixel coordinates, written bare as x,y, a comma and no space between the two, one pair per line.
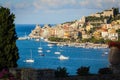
8,49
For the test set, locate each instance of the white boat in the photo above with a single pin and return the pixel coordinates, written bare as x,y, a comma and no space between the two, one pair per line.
30,60
24,37
40,51
40,46
50,45
57,53
105,53
37,39
61,57
48,51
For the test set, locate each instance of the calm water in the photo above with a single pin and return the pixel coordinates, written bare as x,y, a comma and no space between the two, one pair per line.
77,56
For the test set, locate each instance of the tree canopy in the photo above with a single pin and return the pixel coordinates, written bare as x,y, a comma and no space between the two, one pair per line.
8,49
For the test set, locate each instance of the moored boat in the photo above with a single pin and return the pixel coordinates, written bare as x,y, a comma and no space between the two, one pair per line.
61,57
40,51
30,60
57,53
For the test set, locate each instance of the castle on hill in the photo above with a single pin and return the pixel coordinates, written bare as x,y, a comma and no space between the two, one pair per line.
110,12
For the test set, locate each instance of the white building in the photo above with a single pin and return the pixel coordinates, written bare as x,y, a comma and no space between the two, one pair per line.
113,36
104,35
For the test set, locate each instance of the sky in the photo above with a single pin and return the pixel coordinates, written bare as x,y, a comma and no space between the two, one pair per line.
55,11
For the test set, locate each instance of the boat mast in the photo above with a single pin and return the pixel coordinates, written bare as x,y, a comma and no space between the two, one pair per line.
31,53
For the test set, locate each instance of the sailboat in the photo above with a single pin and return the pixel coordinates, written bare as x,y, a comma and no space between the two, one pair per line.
40,46
40,51
50,45
57,52
30,60
47,50
105,52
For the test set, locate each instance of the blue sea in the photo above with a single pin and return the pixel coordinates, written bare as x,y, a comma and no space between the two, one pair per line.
77,56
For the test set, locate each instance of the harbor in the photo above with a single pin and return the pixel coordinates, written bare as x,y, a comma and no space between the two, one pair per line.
75,40
77,53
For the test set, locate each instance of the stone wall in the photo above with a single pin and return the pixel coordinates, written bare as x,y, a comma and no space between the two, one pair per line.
32,74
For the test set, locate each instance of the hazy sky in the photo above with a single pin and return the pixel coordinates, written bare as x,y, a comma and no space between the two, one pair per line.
55,11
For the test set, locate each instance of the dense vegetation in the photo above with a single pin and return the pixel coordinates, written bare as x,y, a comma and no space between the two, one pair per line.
105,71
8,37
96,21
61,72
57,39
93,40
83,71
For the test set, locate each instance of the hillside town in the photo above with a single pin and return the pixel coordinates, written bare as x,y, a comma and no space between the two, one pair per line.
83,29
96,28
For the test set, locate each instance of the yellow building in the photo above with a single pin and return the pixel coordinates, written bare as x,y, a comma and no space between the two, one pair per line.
89,27
111,30
66,34
97,35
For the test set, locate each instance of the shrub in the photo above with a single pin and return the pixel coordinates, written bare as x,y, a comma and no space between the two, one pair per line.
82,71
105,71
61,72
4,74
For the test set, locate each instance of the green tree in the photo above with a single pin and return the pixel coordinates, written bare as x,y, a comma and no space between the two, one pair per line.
8,49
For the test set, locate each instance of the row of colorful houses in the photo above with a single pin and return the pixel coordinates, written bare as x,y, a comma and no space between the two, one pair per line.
77,29
105,31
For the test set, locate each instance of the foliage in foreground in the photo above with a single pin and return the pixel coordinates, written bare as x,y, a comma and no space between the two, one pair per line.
105,71
83,71
61,72
5,74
